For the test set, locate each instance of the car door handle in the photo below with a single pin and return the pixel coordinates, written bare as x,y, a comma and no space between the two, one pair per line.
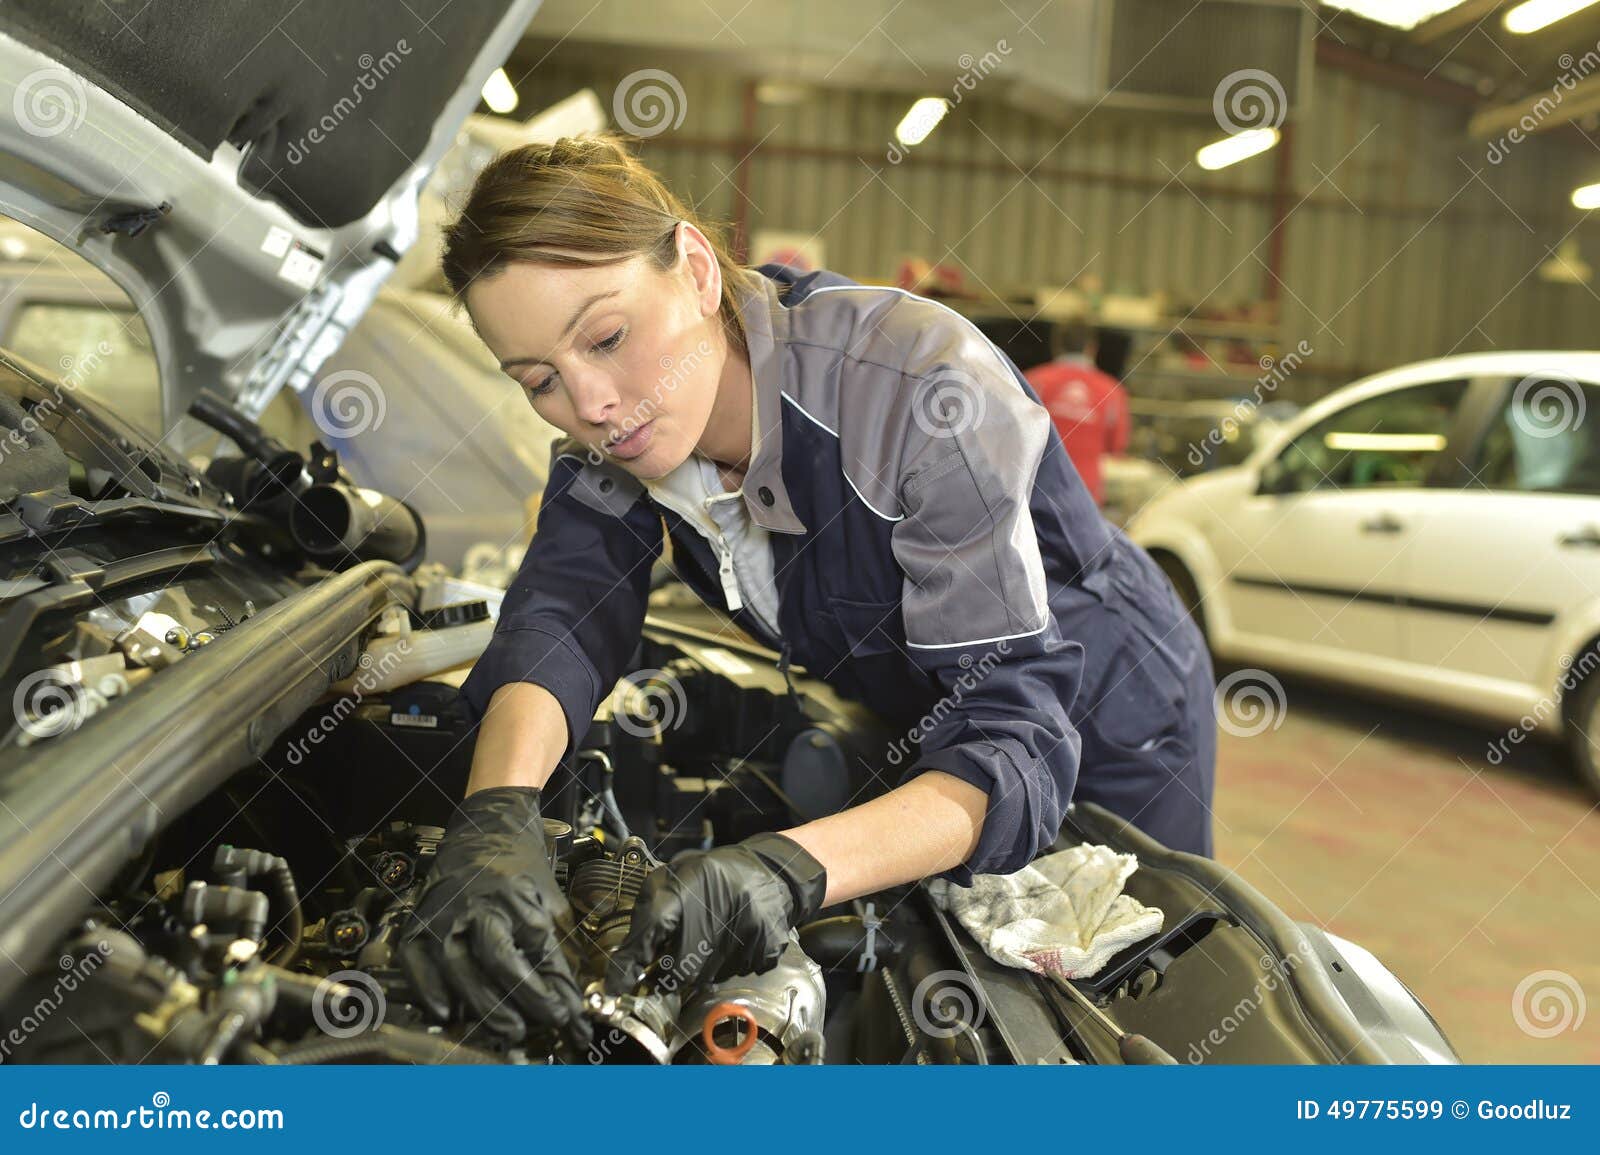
1383,523
1586,538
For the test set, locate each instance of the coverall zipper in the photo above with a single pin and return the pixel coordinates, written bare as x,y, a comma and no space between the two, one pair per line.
728,578
719,544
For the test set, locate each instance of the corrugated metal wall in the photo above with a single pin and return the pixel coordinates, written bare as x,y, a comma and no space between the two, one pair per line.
1402,240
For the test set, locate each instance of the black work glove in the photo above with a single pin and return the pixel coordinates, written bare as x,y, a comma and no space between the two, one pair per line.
489,930
709,915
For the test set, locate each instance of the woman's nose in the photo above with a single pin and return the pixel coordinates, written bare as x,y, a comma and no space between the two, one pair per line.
594,397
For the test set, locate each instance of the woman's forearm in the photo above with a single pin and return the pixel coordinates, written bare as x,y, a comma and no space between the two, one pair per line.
520,739
926,826
919,829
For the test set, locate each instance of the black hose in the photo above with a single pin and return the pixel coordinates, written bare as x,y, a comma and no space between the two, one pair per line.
239,867
385,1044
280,465
224,1035
338,523
289,899
839,942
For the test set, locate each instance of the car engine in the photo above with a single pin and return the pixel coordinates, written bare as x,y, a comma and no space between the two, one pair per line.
263,925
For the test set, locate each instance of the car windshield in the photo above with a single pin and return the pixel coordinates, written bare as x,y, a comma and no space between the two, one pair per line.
66,316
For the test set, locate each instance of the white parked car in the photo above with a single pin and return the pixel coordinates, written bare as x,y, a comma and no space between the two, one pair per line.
1431,533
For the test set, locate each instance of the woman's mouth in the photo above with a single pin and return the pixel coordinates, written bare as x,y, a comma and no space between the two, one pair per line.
632,445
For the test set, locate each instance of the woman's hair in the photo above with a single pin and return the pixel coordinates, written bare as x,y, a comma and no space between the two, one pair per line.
580,201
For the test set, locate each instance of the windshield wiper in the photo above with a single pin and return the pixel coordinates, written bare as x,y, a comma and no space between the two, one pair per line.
46,513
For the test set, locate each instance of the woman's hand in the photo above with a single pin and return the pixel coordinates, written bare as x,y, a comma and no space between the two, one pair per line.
719,913
489,931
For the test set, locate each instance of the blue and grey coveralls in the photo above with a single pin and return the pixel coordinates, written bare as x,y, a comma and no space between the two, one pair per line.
936,557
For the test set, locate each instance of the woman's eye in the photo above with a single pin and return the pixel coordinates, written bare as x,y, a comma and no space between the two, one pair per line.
611,342
543,388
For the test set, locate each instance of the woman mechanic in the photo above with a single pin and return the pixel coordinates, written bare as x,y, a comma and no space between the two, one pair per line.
868,485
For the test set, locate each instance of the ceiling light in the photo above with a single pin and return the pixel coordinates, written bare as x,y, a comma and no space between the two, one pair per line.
1233,149
921,119
1404,14
1536,14
499,93
1587,197
781,92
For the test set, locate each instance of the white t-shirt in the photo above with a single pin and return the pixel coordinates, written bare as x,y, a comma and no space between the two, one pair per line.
695,491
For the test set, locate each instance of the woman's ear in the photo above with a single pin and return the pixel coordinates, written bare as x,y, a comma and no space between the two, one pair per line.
699,258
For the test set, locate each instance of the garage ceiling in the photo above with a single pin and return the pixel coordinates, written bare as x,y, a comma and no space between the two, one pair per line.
1059,55
1503,73
1063,56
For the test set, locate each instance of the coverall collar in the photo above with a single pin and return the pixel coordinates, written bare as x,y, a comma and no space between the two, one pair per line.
765,326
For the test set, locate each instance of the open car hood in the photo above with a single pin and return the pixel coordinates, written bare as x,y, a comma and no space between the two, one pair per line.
249,180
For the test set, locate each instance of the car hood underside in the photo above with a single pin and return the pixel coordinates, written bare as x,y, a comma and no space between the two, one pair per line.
251,181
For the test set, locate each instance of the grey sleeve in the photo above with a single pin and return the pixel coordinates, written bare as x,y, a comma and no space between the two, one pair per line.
977,615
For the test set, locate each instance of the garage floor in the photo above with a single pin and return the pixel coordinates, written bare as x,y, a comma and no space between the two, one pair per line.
1393,830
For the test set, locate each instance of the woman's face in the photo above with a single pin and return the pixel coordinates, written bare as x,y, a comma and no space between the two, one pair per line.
624,357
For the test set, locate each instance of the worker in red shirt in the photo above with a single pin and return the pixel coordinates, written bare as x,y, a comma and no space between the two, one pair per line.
1089,408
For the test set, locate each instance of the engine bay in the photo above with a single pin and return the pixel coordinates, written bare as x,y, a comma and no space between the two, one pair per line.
262,925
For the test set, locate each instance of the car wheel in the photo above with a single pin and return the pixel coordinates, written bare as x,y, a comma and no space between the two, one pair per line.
1187,590
1583,731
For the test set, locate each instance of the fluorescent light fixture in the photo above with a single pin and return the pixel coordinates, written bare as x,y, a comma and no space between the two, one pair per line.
1233,149
781,92
1536,14
1403,14
499,93
1385,442
1587,197
921,119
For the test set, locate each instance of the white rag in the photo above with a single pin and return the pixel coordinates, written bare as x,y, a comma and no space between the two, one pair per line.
1065,914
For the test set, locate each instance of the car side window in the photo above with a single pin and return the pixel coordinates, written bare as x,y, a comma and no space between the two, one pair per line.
1389,441
1544,439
